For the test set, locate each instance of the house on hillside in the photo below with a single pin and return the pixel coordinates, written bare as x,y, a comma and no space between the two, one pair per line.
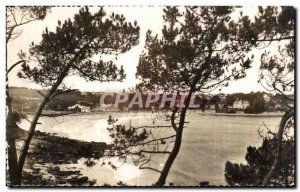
240,104
86,103
267,97
79,108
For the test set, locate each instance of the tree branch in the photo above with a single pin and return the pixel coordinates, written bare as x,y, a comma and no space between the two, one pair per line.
277,39
153,141
63,92
150,168
164,152
151,127
14,65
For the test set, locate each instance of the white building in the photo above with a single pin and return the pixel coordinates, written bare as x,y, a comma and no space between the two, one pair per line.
79,108
240,104
267,97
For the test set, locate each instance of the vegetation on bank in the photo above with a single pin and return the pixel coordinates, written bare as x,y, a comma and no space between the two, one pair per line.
27,100
47,152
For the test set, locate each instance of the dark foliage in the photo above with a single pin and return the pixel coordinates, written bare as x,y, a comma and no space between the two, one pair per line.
260,160
77,41
274,25
198,49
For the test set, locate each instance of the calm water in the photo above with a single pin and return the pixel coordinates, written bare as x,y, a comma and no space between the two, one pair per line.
208,142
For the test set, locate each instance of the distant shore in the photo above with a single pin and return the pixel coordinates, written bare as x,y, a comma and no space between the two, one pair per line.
208,112
265,114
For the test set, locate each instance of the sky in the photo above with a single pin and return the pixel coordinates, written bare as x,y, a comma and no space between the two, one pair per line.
147,17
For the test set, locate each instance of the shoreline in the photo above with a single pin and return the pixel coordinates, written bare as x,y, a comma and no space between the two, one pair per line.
244,114
48,152
207,113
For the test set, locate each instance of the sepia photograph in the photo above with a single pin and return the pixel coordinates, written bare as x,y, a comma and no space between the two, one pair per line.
150,96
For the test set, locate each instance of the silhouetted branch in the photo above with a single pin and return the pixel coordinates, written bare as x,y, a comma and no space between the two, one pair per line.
150,168
63,92
42,94
269,131
151,127
277,39
14,65
143,151
144,143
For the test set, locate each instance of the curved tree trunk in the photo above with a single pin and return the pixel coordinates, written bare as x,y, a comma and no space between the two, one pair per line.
171,158
178,139
290,113
33,124
38,113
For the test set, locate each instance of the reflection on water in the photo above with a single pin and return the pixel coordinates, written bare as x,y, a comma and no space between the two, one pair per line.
208,142
127,172
100,128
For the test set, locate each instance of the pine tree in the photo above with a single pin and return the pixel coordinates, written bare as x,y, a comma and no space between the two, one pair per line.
69,50
199,50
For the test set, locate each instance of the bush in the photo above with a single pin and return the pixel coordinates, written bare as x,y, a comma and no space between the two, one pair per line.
258,106
259,162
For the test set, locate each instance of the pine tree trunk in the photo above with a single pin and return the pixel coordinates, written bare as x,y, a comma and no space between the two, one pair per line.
34,122
171,158
38,113
25,147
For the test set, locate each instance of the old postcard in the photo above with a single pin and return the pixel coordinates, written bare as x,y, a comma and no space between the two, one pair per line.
150,96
